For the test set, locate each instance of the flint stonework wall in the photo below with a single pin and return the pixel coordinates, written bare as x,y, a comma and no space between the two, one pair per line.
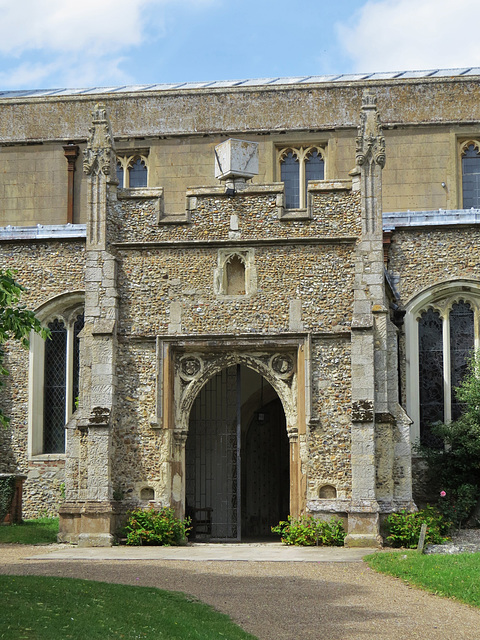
334,214
151,277
320,276
329,438
420,258
47,269
140,453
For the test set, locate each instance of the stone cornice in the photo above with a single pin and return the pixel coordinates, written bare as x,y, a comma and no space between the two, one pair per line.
242,242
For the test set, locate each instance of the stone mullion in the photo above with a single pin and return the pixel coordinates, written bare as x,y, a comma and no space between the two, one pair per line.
447,367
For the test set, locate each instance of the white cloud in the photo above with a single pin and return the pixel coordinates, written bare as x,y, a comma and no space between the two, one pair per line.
77,42
66,26
390,35
74,73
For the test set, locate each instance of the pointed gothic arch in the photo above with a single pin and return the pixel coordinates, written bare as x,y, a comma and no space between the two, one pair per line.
236,459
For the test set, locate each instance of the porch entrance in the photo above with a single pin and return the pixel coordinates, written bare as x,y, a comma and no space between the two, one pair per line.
237,458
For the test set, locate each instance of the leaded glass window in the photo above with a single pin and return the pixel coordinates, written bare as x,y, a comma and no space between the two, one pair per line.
471,177
290,175
461,348
77,327
314,167
138,174
446,340
61,368
55,374
132,171
430,351
297,167
442,331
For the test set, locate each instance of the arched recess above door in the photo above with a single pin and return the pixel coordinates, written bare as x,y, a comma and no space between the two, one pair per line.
192,370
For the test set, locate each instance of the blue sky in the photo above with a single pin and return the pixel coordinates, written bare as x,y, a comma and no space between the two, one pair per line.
86,43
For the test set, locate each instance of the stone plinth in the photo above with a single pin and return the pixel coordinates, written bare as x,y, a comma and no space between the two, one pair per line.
14,514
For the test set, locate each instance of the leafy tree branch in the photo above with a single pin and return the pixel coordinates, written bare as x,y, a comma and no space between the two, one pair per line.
16,321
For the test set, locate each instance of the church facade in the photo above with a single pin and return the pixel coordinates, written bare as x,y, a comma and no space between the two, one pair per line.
260,296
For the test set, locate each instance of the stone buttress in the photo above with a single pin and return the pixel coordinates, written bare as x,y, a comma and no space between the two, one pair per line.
380,447
86,515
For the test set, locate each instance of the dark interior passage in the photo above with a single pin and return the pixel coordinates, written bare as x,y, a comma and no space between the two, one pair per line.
236,458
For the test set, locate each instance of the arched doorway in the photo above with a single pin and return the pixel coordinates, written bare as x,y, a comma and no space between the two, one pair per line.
236,457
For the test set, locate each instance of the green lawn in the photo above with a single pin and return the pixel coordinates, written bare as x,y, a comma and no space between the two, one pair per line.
39,608
454,576
39,531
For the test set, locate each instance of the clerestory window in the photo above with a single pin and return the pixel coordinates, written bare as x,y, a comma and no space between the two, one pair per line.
132,171
442,334
54,378
471,174
297,167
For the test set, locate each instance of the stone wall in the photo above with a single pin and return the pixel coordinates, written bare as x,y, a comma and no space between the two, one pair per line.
231,110
422,257
329,435
335,214
321,276
47,269
140,453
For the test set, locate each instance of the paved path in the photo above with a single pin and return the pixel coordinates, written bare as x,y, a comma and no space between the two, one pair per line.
204,552
309,599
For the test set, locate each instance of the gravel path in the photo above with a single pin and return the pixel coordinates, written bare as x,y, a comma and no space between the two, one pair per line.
281,600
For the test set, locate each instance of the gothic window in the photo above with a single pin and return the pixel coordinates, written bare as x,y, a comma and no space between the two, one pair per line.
297,167
461,347
290,176
54,380
132,171
430,373
55,389
441,337
471,174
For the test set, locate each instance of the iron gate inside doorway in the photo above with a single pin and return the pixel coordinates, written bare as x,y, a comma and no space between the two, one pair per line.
212,458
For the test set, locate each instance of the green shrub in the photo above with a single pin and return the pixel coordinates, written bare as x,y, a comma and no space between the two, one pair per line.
454,458
403,529
457,503
308,531
152,527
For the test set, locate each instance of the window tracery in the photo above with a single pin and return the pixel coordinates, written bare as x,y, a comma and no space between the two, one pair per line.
470,154
132,171
298,166
54,377
442,331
